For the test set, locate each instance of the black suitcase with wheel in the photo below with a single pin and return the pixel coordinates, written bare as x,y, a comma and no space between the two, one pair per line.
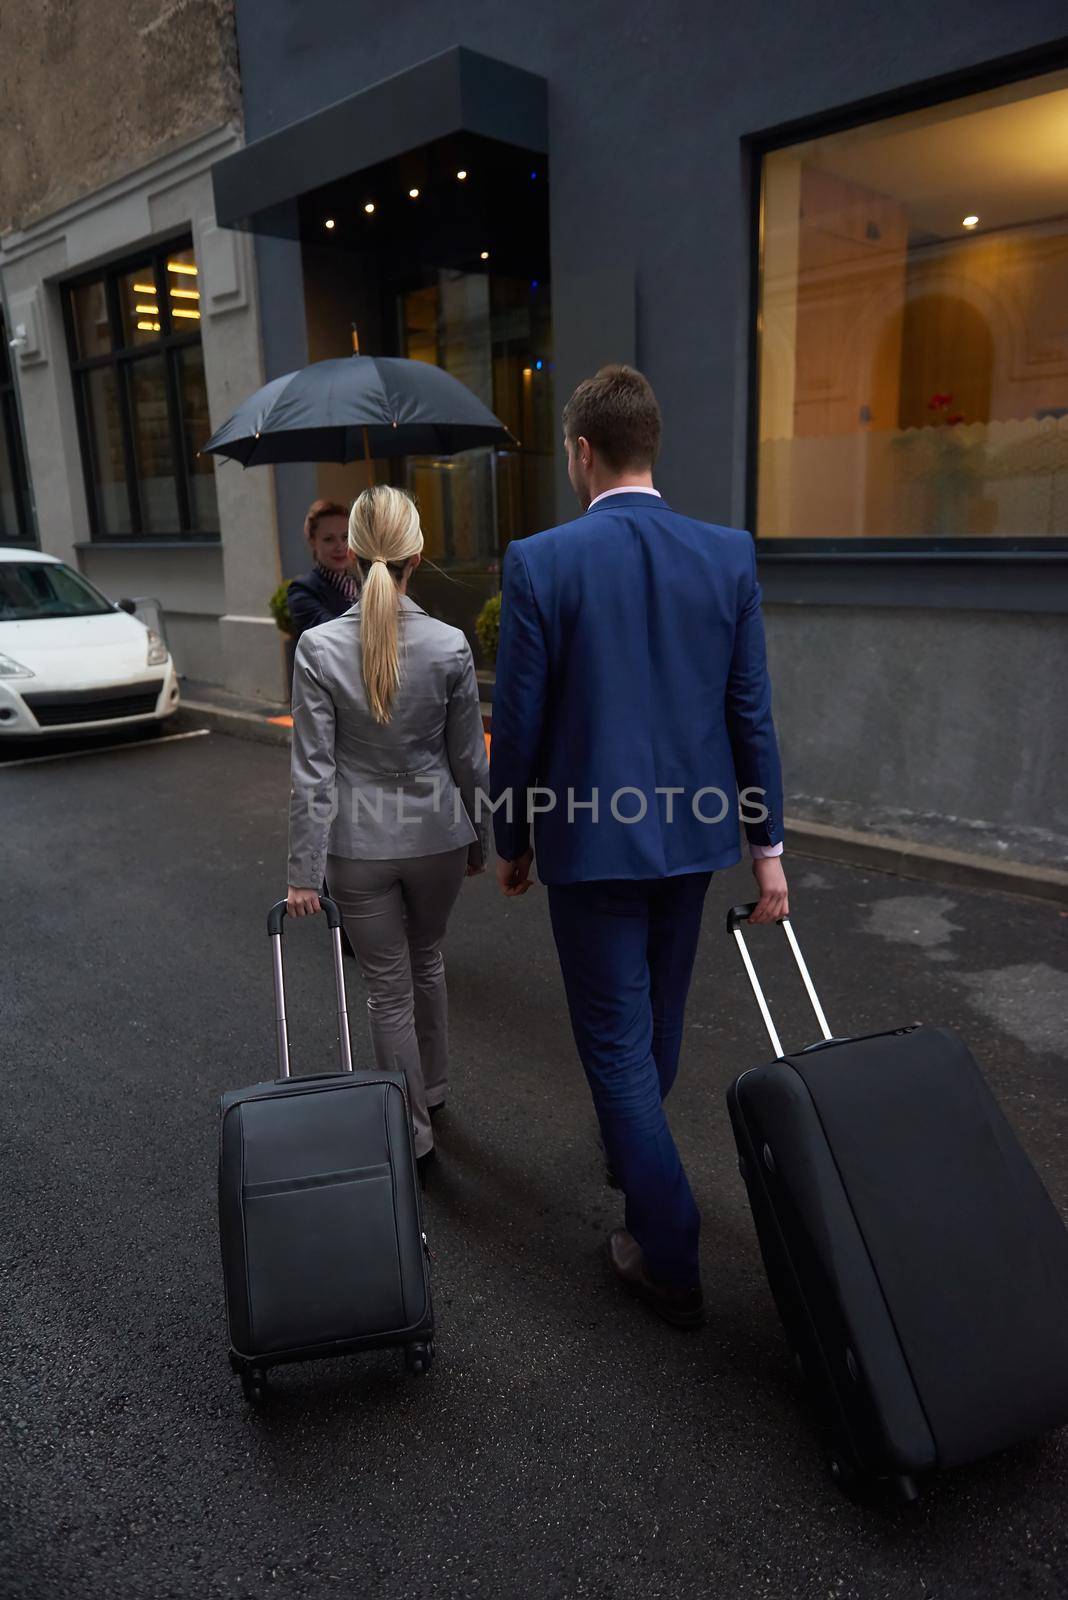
323,1248
918,1265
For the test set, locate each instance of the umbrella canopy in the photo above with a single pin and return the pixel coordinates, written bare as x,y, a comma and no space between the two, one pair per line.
354,409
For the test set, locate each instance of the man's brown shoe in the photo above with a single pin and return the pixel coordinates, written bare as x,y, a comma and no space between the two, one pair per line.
683,1308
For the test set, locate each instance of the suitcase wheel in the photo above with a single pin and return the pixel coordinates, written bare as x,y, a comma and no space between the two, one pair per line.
845,1475
862,1487
419,1358
254,1385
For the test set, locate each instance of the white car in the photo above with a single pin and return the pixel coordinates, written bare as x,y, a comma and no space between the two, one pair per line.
72,661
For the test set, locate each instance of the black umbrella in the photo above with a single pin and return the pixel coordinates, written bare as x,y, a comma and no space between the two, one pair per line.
358,408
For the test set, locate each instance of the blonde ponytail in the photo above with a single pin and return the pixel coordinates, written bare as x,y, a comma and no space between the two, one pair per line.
384,534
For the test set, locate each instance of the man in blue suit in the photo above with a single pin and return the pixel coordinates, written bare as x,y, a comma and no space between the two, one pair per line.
631,727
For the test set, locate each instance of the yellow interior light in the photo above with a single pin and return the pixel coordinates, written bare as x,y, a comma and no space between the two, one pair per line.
148,327
150,311
184,294
183,311
145,288
181,266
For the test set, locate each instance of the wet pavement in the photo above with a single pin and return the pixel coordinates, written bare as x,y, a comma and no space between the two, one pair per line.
566,1443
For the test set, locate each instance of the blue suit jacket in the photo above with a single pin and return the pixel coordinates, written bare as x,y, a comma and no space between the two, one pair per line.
632,660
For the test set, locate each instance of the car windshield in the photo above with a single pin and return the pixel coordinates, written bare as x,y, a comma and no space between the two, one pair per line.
30,590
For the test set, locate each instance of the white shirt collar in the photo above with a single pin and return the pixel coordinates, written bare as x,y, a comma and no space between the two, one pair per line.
624,488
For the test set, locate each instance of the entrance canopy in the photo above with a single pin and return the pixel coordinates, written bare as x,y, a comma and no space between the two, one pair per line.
459,91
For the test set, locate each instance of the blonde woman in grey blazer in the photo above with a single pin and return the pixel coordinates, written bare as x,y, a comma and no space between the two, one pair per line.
389,757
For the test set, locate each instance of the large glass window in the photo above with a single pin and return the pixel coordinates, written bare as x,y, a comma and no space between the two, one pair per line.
912,336
494,334
16,522
143,409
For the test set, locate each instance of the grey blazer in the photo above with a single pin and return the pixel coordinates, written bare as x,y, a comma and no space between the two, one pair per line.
378,792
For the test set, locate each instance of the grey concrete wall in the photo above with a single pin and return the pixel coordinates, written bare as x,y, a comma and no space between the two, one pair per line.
191,579
196,645
887,717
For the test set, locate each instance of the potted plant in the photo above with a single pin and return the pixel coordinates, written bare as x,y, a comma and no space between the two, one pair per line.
279,609
488,629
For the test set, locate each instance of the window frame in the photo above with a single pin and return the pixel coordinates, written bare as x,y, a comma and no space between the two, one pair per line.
168,344
11,424
941,90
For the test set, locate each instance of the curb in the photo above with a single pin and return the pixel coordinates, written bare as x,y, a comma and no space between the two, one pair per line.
936,864
239,724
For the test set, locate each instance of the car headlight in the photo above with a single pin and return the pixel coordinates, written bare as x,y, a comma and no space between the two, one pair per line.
10,668
157,650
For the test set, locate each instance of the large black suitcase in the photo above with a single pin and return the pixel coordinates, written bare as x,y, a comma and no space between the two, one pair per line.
320,1222
918,1265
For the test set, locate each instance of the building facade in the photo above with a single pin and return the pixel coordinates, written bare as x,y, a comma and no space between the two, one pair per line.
835,239
131,323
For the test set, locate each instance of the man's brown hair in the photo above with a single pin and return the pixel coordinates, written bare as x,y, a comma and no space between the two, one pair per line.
617,412
320,509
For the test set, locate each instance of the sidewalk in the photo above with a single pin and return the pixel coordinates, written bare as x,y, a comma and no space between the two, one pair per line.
204,705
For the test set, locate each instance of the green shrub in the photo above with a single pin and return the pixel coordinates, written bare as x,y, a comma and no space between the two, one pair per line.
488,628
279,606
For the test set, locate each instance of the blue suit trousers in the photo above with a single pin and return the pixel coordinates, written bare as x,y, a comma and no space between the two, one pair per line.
627,949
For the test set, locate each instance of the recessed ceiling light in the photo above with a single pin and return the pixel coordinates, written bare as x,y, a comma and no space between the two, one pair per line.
462,174
970,222
484,256
413,194
369,207
329,223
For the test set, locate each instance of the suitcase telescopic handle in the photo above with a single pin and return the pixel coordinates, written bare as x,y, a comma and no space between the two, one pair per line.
736,916
275,923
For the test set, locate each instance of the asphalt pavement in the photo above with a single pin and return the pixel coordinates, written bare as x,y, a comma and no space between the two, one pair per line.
566,1444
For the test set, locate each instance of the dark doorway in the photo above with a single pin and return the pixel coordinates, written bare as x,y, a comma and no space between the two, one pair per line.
442,255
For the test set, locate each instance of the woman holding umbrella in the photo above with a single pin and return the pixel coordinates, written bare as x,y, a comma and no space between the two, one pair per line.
330,587
389,758
382,696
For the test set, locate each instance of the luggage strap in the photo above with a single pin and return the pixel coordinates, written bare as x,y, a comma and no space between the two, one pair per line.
735,917
275,924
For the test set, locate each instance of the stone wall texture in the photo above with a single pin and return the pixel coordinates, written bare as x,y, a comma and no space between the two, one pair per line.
93,89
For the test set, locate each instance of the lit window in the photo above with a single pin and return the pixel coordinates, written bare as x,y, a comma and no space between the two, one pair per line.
913,349
139,384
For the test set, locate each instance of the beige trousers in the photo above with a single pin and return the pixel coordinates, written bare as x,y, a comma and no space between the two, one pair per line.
395,913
